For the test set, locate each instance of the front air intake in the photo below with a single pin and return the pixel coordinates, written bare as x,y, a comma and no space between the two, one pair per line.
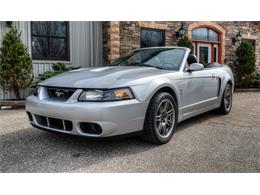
54,123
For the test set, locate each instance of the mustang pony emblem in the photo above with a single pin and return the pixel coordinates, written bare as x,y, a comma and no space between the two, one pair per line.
59,93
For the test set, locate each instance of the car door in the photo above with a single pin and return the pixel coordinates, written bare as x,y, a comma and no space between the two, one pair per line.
199,90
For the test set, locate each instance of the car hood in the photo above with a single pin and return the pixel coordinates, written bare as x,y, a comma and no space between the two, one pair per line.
104,77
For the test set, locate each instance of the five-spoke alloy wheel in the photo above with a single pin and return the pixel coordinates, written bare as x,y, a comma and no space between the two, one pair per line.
226,102
161,118
165,119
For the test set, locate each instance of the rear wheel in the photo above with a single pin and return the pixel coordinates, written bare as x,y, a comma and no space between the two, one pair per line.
161,119
226,102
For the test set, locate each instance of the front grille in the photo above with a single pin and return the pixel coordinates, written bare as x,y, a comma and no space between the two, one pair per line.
60,94
54,123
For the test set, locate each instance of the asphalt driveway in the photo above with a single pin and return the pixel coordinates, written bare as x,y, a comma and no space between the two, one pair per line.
207,143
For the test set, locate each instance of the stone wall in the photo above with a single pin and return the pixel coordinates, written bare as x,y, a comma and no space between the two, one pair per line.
249,30
111,41
130,33
129,36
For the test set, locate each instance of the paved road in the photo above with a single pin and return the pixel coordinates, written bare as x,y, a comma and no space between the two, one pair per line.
207,143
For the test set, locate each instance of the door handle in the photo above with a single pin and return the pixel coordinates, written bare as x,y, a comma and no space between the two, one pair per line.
213,75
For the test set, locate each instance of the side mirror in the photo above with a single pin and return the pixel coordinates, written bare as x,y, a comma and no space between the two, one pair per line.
195,67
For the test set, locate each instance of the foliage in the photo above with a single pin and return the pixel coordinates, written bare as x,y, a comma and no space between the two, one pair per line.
15,63
257,80
245,64
58,68
185,42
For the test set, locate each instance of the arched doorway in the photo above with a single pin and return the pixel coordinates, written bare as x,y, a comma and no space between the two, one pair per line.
208,41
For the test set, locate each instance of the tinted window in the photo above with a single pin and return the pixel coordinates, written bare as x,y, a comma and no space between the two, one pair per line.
50,40
152,38
204,34
163,58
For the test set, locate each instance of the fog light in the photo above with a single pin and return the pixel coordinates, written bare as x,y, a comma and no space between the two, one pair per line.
90,128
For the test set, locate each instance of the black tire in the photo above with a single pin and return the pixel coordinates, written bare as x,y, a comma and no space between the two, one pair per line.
150,133
224,109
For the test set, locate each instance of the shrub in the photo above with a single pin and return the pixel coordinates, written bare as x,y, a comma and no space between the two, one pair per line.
58,68
245,64
15,63
185,42
257,80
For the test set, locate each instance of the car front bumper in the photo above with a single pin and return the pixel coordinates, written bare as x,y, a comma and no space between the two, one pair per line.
114,118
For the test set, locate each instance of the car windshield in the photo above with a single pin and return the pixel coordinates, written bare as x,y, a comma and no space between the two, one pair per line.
162,58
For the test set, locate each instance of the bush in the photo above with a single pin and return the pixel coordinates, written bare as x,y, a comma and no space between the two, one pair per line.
245,65
257,80
15,63
185,42
58,68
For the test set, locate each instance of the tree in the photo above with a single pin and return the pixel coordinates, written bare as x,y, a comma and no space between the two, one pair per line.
15,63
245,64
185,42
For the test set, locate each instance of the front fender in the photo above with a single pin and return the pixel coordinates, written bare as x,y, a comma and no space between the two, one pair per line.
228,76
147,91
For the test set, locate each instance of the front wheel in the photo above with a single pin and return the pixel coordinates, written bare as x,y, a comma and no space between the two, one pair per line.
161,119
226,102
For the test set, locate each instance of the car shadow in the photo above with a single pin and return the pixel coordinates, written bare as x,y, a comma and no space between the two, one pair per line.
32,150
196,120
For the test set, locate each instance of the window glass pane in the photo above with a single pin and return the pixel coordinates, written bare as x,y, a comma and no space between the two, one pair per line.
152,38
204,34
58,29
57,48
40,47
50,41
204,55
200,34
40,28
213,36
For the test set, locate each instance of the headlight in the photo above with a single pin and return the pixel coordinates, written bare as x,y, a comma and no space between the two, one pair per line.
106,95
37,90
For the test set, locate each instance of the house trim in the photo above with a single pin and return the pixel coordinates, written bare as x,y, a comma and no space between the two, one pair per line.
214,26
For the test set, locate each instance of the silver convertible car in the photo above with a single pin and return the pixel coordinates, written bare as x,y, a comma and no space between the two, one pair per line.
146,90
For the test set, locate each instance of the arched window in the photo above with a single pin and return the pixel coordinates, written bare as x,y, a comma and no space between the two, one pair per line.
205,34
206,45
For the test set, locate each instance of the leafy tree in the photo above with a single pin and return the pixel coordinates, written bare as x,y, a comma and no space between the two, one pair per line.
245,64
185,42
58,68
15,63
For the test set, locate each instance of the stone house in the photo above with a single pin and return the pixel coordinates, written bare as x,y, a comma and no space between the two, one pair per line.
91,44
212,41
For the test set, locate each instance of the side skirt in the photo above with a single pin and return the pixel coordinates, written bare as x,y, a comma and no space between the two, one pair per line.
197,112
